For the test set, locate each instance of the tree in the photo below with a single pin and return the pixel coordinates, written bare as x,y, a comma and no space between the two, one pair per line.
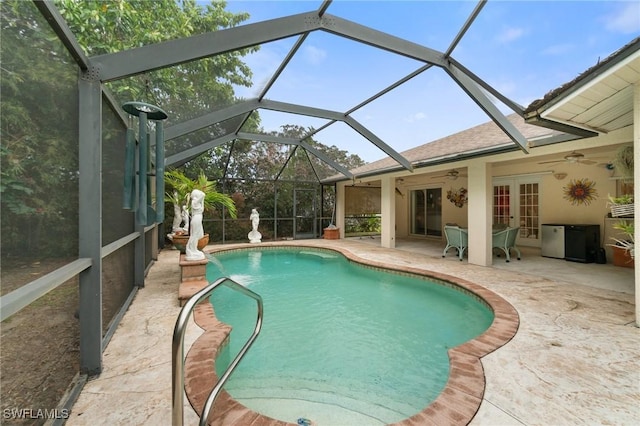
184,91
39,159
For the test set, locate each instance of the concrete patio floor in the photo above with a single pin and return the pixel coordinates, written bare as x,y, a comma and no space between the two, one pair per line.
575,359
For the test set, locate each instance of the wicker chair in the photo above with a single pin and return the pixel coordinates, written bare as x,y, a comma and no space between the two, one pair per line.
457,238
505,240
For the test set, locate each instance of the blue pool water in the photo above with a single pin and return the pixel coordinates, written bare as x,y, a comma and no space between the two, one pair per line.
340,343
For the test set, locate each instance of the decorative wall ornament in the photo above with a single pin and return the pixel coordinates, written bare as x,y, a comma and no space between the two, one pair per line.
580,191
560,175
457,197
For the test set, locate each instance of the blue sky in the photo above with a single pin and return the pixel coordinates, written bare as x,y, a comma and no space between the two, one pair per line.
522,48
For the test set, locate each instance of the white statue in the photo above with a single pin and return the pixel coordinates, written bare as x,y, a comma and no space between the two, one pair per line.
254,236
197,231
177,216
184,214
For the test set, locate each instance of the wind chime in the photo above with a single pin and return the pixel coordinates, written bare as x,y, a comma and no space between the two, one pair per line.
137,196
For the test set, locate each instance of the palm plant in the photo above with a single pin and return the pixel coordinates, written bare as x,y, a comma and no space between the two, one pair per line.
627,244
179,187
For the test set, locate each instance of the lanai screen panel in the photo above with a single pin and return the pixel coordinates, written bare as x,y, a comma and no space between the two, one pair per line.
39,155
256,160
202,136
39,205
116,221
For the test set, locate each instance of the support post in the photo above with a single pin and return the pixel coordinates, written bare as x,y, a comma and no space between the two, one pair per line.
479,213
388,212
159,172
340,207
636,190
90,223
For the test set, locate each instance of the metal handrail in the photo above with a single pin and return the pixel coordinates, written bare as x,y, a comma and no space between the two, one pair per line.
178,349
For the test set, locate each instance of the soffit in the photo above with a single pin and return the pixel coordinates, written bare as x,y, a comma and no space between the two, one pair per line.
603,104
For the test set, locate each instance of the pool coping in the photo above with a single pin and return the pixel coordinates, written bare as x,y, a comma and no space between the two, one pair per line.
457,403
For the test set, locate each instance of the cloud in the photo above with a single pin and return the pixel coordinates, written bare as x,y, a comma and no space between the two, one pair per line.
510,34
314,55
415,117
626,20
557,49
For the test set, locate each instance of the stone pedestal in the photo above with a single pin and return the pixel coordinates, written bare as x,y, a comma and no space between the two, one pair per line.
193,278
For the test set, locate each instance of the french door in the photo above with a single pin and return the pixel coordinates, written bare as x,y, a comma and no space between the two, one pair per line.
516,202
426,212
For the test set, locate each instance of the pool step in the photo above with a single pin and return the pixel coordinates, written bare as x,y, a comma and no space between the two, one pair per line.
292,410
325,404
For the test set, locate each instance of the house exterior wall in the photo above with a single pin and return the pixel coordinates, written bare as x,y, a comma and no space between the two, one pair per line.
555,207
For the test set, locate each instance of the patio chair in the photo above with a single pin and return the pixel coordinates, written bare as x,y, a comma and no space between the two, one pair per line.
457,238
505,240
499,227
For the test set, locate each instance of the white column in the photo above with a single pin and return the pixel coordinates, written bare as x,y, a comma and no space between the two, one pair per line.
340,206
636,190
388,212
479,212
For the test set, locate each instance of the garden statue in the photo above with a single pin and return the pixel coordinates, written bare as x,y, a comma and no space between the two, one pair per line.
197,231
254,235
177,216
185,218
180,216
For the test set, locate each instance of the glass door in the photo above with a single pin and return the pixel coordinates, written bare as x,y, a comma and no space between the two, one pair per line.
426,212
516,202
502,205
529,213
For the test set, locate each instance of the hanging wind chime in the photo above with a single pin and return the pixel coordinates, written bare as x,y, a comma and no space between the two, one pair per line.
136,195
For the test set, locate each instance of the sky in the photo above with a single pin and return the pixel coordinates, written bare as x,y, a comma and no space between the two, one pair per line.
524,49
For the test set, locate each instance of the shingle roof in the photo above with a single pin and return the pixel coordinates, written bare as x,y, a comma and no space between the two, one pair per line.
484,137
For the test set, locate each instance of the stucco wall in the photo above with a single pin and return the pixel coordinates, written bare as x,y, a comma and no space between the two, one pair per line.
554,207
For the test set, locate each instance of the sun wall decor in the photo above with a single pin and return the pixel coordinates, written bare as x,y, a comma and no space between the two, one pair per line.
580,192
457,197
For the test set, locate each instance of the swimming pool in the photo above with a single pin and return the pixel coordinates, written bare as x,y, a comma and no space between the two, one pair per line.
341,343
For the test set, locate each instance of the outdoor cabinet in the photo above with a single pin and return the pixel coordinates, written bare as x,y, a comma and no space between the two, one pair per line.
581,243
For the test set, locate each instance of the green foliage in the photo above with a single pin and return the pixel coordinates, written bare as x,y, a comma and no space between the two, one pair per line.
363,225
38,159
183,91
628,243
626,227
180,186
623,199
372,224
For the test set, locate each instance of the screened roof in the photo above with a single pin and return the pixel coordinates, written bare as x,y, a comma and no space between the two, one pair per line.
370,78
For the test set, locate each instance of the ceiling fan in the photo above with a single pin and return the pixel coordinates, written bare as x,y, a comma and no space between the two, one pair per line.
574,157
451,175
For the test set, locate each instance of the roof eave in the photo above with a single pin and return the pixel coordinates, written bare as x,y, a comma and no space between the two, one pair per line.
444,159
538,110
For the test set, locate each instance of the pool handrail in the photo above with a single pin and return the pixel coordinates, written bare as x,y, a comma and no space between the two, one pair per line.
177,360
